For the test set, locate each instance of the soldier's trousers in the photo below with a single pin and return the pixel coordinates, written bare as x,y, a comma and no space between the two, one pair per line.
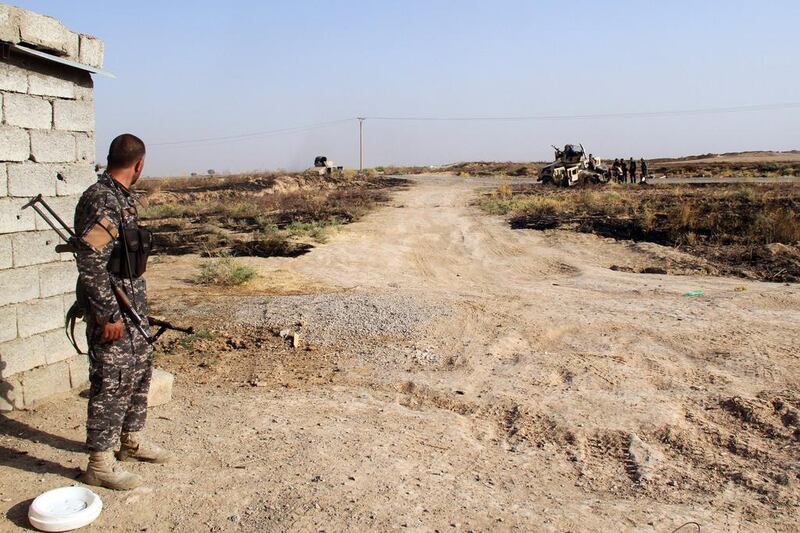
119,377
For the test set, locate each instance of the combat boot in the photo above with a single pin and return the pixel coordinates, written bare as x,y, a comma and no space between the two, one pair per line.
102,472
134,448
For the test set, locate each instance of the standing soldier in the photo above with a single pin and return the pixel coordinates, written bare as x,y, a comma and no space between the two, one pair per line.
112,255
632,169
624,169
643,167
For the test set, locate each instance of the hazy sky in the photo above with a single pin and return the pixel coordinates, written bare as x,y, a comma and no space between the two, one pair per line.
194,70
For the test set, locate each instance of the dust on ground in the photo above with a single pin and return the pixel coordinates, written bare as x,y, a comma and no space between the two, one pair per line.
455,374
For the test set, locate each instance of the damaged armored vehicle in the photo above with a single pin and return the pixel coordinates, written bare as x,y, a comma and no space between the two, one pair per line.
572,167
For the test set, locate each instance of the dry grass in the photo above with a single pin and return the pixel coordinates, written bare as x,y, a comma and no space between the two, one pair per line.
224,272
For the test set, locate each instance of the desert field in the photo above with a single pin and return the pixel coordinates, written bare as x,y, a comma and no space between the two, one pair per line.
433,353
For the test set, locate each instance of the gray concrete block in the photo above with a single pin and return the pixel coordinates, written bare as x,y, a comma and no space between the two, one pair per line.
20,355
43,32
49,85
29,179
56,345
91,51
73,115
34,247
77,178
44,383
39,316
6,252
3,179
85,148
8,323
73,45
64,206
19,285
57,278
160,388
27,111
78,371
13,218
9,23
15,144
10,393
13,78
52,146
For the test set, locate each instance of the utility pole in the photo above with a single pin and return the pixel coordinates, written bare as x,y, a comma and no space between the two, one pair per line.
361,143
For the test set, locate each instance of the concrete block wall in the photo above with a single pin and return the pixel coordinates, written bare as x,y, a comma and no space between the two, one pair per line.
46,128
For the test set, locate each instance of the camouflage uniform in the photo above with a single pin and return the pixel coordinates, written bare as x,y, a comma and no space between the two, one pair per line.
120,371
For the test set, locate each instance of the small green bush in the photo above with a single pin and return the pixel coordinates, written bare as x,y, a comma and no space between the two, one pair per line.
225,271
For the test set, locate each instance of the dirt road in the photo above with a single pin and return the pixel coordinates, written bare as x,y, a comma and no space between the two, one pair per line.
514,382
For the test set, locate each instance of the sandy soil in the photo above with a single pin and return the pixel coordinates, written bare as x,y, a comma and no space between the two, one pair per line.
556,394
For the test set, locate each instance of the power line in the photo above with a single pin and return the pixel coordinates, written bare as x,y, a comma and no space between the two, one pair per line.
253,135
487,118
594,116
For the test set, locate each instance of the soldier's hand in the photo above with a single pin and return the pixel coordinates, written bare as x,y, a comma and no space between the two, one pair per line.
112,331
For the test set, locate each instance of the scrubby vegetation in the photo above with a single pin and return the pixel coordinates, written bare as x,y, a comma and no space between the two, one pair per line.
267,214
224,272
755,225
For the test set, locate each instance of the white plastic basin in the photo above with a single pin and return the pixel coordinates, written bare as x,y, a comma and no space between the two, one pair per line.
64,509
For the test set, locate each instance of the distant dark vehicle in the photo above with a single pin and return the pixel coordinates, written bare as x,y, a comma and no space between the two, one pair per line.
211,172
571,167
325,165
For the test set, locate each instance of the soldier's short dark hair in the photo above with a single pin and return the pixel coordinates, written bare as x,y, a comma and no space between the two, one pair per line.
125,150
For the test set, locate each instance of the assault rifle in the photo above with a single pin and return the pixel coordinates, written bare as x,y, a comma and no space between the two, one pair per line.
71,244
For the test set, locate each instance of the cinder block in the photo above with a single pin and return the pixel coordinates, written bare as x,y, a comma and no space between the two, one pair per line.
56,278
13,218
85,148
73,115
91,51
12,77
20,355
9,23
34,247
43,383
10,391
19,285
77,178
52,146
39,316
160,388
78,371
15,144
43,32
27,111
8,323
73,45
6,252
50,85
29,179
64,206
3,179
56,345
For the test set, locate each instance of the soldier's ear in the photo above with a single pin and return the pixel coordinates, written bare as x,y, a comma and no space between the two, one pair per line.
139,166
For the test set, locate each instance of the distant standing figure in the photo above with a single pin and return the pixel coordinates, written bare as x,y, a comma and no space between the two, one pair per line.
632,169
643,167
624,170
591,162
615,170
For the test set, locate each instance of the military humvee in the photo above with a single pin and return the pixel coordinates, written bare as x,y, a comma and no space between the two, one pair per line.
572,167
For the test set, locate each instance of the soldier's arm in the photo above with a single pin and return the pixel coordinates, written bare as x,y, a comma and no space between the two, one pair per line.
94,251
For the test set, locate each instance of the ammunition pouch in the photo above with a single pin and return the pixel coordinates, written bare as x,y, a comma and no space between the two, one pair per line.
130,253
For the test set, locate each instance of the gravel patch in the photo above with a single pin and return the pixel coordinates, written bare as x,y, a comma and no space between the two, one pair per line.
344,318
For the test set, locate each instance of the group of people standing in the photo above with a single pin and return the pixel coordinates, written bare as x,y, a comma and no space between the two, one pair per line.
622,171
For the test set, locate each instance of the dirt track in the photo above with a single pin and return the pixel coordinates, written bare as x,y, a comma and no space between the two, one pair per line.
559,395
